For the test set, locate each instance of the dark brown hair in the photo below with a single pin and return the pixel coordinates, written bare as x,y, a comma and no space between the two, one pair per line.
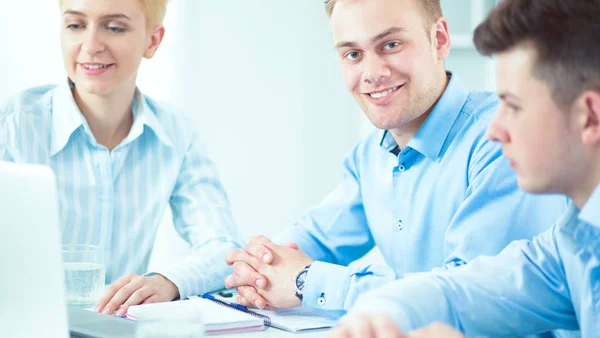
432,10
564,33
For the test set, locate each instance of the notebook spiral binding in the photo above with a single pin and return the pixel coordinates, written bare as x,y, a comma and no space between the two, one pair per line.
265,319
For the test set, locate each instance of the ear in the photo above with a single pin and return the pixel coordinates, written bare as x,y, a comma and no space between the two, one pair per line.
440,37
156,36
590,102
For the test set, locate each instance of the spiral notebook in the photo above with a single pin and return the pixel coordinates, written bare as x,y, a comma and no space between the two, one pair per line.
221,317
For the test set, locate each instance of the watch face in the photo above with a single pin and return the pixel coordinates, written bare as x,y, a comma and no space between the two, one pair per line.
301,279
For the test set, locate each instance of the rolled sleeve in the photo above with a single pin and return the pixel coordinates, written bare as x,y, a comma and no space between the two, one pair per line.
202,217
203,271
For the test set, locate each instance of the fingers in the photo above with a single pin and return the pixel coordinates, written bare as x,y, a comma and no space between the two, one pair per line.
258,248
436,330
244,274
385,328
252,296
367,327
152,299
242,301
112,290
240,255
138,297
353,329
232,256
292,245
339,332
133,289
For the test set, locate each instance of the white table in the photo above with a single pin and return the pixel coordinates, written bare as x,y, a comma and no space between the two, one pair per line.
275,333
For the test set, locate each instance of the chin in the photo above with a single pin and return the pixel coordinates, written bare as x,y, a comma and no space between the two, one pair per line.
534,187
93,88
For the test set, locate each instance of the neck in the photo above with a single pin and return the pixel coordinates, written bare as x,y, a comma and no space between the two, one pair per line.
586,184
403,134
109,117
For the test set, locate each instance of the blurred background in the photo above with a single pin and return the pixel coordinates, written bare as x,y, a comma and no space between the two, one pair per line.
262,82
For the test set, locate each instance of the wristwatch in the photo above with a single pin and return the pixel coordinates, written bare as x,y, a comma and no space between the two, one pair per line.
300,280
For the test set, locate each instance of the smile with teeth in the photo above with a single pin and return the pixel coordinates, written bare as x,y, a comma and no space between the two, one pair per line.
94,66
385,93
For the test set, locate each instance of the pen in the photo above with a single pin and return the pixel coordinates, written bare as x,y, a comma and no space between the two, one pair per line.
232,304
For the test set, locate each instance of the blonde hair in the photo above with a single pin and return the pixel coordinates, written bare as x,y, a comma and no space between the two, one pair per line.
431,9
154,10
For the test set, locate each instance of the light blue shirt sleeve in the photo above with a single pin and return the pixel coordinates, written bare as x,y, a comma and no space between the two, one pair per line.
336,232
520,291
202,216
5,154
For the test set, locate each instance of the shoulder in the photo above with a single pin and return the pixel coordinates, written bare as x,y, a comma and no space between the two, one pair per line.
29,109
178,124
478,112
481,105
32,101
368,145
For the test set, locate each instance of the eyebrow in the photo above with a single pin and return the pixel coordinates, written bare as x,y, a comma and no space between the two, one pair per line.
108,16
507,94
380,36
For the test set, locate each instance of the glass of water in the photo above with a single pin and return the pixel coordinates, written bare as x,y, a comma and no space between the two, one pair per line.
84,274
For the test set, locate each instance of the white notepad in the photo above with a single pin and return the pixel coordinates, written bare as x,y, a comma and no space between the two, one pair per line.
217,319
299,319
220,317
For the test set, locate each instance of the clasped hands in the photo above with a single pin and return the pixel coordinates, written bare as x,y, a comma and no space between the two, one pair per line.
264,276
264,273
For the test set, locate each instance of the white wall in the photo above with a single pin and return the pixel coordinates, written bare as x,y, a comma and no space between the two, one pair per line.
264,86
29,45
259,77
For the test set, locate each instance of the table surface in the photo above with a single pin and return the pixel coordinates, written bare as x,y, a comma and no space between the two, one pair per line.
276,333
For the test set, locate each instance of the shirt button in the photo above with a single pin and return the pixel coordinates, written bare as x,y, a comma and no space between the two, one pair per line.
400,225
402,167
321,301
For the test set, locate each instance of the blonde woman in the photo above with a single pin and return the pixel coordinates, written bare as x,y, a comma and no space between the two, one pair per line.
120,157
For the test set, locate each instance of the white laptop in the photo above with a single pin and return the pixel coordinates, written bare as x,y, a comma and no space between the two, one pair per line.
31,275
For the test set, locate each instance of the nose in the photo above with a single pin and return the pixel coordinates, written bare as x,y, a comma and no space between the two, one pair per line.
92,42
375,70
497,131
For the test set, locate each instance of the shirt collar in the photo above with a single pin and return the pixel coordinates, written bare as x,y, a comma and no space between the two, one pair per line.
66,118
432,134
387,141
143,115
590,213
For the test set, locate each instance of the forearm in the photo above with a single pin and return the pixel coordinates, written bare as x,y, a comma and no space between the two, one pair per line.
202,271
411,303
515,293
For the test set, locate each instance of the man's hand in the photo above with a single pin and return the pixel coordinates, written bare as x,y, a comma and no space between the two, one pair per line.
380,326
270,279
377,326
133,290
436,330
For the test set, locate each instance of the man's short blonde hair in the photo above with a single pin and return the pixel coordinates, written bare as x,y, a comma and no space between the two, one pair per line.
155,11
431,9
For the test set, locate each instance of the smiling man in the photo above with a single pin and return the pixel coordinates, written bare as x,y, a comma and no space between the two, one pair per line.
548,79
428,188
